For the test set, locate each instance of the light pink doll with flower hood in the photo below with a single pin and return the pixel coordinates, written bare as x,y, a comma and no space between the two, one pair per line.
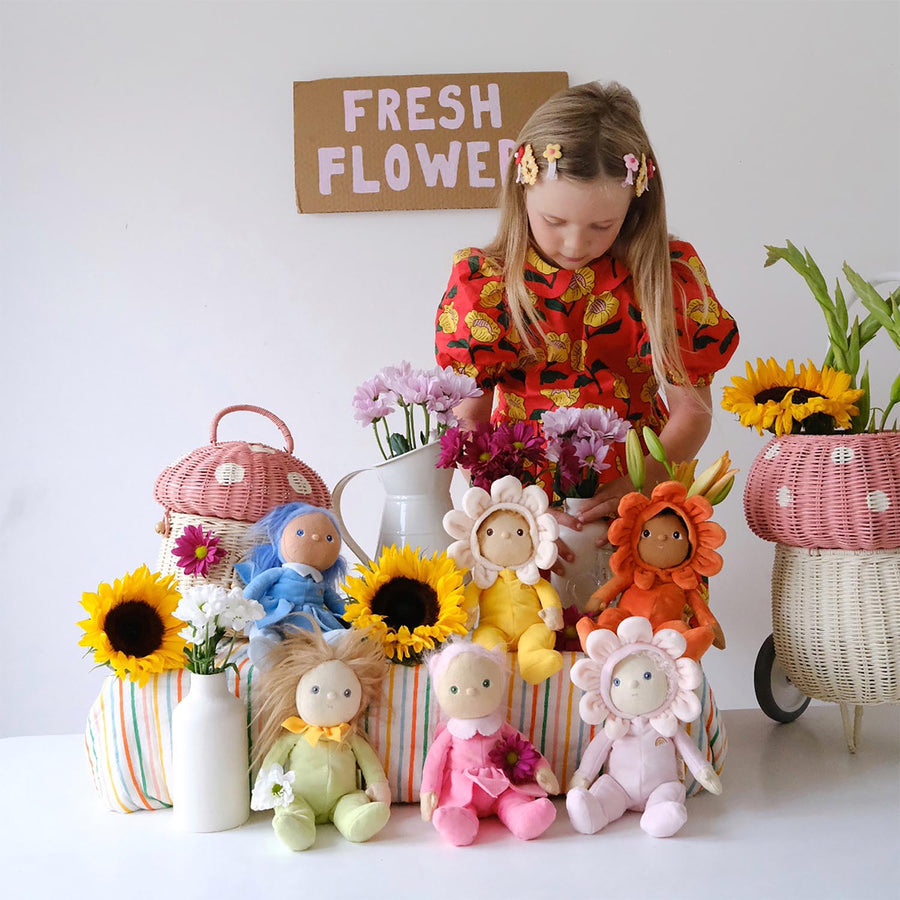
478,764
641,688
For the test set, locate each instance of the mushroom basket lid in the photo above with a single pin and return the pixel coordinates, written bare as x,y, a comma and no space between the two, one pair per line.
239,480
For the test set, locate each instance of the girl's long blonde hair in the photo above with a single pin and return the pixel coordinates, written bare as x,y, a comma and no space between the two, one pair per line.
596,125
299,653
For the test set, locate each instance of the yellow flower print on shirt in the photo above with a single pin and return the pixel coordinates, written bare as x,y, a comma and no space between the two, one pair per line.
491,294
636,364
562,397
576,359
703,312
460,255
699,271
599,310
539,264
558,347
448,319
482,327
649,390
465,369
515,408
537,356
490,267
581,285
620,388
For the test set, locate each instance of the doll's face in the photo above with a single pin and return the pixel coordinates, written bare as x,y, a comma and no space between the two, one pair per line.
504,539
329,694
638,685
311,539
664,541
470,687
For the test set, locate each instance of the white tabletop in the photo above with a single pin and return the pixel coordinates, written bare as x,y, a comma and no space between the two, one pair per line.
799,817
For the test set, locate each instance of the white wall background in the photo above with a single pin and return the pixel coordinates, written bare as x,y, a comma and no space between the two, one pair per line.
154,268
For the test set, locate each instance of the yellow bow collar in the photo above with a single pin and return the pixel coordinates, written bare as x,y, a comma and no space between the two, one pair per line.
315,733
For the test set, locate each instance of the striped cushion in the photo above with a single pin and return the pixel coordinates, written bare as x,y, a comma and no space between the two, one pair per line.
129,738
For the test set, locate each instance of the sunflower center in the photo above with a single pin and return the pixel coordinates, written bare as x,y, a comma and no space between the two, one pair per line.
406,601
801,395
134,628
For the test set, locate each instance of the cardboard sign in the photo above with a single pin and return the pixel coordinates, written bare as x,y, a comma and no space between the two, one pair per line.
410,141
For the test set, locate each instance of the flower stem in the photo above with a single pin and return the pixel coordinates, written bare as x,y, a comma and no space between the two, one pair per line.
378,439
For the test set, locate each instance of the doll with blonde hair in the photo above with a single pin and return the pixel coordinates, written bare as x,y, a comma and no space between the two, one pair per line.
310,751
582,299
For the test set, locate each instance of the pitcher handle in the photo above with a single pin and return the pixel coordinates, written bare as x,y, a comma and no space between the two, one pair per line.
336,508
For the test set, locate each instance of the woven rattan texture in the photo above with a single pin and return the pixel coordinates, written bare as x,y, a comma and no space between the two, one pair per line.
836,622
836,492
233,540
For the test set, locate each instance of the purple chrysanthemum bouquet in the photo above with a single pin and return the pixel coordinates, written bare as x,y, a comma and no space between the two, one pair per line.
411,393
578,442
492,451
516,757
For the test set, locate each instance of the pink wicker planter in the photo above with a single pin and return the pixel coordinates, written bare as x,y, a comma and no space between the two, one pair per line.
834,492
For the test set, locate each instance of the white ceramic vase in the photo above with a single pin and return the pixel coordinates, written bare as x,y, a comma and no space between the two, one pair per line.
590,568
210,757
417,495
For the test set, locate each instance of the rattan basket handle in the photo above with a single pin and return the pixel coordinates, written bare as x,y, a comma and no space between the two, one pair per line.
285,431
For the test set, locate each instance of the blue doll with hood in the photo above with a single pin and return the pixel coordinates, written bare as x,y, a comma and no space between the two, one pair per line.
293,575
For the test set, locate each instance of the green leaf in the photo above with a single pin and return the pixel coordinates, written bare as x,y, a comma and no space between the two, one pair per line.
610,327
840,306
556,305
878,307
656,448
852,358
462,343
551,376
634,459
860,420
583,381
398,444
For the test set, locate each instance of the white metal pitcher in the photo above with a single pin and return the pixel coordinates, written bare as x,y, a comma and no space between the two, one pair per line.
417,497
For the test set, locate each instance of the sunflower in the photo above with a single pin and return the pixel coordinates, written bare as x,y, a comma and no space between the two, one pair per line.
772,398
409,602
131,628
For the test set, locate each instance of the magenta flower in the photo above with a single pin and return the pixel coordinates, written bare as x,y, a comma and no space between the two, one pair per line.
516,757
453,442
567,639
197,551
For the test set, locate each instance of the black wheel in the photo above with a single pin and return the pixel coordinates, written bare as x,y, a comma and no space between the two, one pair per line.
775,693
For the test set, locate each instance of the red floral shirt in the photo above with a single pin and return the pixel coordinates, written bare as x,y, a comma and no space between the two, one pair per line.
597,351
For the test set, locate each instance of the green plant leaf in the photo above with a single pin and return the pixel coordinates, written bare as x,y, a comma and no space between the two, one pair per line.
398,444
860,421
634,459
878,307
656,448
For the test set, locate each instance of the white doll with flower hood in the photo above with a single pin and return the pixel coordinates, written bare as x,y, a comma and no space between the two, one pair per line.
505,538
640,687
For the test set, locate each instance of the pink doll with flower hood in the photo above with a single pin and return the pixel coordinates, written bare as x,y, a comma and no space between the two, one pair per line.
640,687
505,538
478,765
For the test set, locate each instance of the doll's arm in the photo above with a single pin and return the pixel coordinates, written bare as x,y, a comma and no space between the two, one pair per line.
261,583
471,601
703,615
605,594
551,607
279,753
594,757
377,787
433,774
334,602
543,774
700,767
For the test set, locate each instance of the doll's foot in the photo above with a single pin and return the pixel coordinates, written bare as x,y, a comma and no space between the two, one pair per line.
455,824
296,832
536,666
664,819
585,811
530,819
365,821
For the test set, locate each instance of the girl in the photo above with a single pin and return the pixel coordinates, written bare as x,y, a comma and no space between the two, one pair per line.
582,299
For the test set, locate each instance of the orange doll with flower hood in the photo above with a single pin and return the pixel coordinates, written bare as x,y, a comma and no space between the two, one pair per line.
666,545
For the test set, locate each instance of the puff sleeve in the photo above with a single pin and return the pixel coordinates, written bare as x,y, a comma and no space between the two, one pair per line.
472,326
708,335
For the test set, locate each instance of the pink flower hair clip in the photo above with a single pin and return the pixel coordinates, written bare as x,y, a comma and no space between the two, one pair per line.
638,174
526,165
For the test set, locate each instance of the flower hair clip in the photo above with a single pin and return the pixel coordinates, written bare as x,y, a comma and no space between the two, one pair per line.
527,165
638,173
552,154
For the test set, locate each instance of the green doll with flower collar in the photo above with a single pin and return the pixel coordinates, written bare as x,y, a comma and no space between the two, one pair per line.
312,753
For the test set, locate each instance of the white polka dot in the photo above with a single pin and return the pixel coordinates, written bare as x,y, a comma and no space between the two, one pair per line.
299,483
878,501
772,451
842,455
784,496
229,473
261,448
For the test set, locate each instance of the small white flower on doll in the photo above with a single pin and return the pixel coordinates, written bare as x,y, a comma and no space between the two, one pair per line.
666,544
505,538
312,752
641,688
293,575
478,765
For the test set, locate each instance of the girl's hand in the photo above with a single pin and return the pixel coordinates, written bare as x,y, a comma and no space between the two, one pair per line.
605,503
